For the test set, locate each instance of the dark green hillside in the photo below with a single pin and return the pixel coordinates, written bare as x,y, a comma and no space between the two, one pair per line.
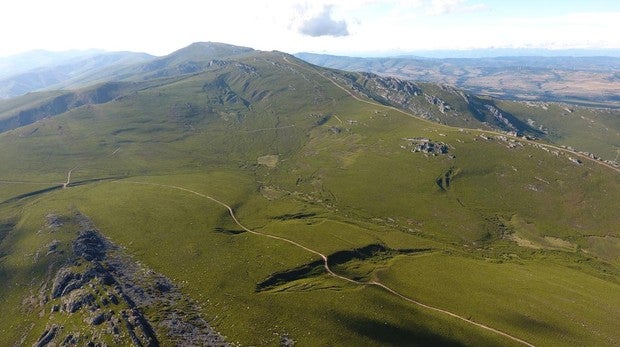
435,235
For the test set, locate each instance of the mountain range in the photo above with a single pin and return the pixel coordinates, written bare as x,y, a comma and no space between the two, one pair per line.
586,80
222,195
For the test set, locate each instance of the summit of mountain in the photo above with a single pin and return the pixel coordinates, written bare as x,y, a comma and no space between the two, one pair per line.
211,50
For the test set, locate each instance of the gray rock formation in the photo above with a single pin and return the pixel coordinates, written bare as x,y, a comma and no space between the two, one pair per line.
111,293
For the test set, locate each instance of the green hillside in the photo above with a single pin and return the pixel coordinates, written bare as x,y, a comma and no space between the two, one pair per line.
114,225
588,129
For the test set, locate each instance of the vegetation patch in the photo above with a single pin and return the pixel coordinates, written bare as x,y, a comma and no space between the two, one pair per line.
526,235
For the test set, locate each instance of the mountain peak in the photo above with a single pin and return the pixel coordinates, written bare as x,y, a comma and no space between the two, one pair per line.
211,50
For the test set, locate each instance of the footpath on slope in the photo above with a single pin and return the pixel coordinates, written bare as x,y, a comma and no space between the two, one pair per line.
429,121
326,263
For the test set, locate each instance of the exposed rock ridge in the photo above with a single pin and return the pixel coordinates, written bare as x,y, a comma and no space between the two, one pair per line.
119,300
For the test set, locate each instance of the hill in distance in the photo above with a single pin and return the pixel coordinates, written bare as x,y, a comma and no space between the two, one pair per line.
226,195
58,70
19,63
586,80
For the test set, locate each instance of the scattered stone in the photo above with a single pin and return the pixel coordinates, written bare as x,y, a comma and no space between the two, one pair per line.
335,130
575,160
286,341
427,146
163,285
97,319
53,222
70,340
47,336
63,278
76,300
113,299
90,245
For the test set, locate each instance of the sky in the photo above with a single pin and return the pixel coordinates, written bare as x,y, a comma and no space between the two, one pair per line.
345,27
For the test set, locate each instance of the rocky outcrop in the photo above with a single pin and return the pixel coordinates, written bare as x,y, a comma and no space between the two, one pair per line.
90,245
111,293
48,335
387,90
77,299
500,117
219,92
425,145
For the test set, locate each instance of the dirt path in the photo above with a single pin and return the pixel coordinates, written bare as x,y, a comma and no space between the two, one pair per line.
64,185
326,263
274,128
565,150
115,151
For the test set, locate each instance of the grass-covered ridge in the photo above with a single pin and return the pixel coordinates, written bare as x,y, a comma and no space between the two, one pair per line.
299,158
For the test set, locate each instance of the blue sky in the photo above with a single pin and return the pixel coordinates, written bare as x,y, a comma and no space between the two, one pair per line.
361,27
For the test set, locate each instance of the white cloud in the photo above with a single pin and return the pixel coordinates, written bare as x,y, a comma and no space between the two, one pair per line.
373,25
323,24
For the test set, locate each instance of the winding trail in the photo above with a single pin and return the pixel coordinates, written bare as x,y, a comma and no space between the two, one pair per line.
326,263
565,150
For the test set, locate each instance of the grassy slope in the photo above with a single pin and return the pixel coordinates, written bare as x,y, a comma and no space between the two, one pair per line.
353,180
9,107
587,129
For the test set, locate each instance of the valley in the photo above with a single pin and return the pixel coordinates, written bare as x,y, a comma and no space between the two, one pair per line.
245,197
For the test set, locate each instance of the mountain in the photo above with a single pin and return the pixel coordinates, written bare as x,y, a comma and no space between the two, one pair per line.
66,73
257,199
19,63
591,130
513,52
583,80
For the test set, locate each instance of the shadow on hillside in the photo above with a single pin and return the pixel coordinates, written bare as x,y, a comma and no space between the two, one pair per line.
387,334
533,324
58,187
316,268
